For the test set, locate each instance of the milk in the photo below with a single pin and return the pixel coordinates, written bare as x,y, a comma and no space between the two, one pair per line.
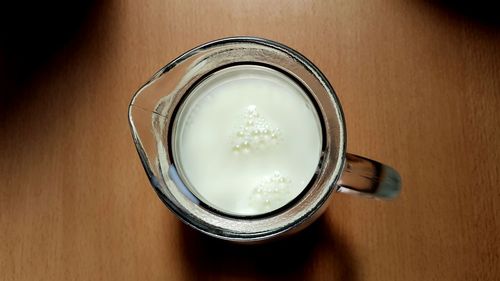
247,140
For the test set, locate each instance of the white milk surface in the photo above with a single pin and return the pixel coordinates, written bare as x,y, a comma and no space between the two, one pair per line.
247,140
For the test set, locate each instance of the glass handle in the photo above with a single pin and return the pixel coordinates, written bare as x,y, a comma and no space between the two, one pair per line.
369,178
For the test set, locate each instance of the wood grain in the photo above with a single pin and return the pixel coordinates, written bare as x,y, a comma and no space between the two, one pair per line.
420,87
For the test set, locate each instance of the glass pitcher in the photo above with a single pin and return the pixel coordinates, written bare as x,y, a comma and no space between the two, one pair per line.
152,113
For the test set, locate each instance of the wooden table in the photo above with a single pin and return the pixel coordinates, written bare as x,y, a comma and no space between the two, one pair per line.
420,86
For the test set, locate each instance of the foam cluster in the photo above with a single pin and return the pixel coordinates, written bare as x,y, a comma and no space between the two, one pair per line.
254,132
272,192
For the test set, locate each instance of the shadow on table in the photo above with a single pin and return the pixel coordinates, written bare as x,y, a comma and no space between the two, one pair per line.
481,12
316,251
33,34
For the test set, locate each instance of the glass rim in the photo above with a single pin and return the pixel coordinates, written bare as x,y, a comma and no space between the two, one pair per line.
329,95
